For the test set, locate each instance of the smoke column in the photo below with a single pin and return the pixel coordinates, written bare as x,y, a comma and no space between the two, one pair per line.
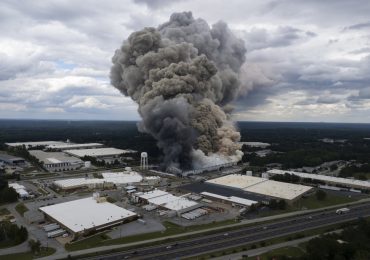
183,75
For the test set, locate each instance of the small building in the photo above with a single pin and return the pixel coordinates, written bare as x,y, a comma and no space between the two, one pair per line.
12,160
20,189
57,161
86,216
164,200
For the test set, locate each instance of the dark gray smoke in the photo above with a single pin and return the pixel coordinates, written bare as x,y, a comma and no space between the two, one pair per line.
183,75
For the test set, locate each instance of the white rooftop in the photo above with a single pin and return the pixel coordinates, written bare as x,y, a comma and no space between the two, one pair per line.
151,194
255,144
233,199
351,182
86,213
122,177
33,144
71,146
279,189
236,181
77,182
167,200
96,152
261,186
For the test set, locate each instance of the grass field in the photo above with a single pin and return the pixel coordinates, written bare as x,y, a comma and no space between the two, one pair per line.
29,255
284,251
21,208
312,203
4,211
171,229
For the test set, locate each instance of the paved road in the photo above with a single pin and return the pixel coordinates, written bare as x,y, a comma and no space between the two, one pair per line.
241,236
262,250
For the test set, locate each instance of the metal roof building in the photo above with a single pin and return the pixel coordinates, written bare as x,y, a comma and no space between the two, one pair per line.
34,144
57,161
351,183
98,152
167,201
84,215
11,160
70,146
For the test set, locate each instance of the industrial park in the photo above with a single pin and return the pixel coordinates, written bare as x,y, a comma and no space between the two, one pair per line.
187,130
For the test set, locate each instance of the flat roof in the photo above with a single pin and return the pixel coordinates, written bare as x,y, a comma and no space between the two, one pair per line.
97,152
86,213
77,182
54,157
261,186
236,181
151,194
338,180
279,189
33,144
232,199
255,144
122,177
167,200
71,146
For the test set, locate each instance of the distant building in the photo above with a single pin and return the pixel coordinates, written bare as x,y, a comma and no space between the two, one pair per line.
255,144
12,160
34,144
71,146
109,155
20,189
57,161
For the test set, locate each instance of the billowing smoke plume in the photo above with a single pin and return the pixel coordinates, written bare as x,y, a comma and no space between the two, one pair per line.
183,75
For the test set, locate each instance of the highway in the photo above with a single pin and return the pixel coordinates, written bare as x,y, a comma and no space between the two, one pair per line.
241,236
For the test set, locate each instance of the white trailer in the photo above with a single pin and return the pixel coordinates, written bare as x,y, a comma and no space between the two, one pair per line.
56,233
342,211
51,227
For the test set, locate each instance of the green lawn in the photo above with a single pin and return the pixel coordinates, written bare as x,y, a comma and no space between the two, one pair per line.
28,256
312,203
284,251
171,229
4,211
21,208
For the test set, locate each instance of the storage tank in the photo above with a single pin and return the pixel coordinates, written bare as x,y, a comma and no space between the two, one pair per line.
87,164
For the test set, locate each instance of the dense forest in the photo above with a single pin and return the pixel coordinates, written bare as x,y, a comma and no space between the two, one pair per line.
298,144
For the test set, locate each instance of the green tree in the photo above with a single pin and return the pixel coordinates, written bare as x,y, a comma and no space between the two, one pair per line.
34,245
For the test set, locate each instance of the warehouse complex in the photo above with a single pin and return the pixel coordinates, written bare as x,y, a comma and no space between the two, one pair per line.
34,144
87,215
350,183
267,188
164,200
109,155
57,161
70,146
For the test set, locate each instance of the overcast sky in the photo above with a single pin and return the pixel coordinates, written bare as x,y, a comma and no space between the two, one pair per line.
306,60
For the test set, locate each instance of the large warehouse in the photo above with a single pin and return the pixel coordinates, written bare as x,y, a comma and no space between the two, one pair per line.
109,155
350,183
35,144
86,215
262,186
167,201
57,161
70,146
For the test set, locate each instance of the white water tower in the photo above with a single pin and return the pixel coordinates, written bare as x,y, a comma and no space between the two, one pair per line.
144,161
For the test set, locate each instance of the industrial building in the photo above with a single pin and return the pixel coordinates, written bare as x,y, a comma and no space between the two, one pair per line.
35,144
79,183
57,161
20,189
72,146
350,183
122,178
164,200
88,215
255,144
109,155
12,160
237,201
261,186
